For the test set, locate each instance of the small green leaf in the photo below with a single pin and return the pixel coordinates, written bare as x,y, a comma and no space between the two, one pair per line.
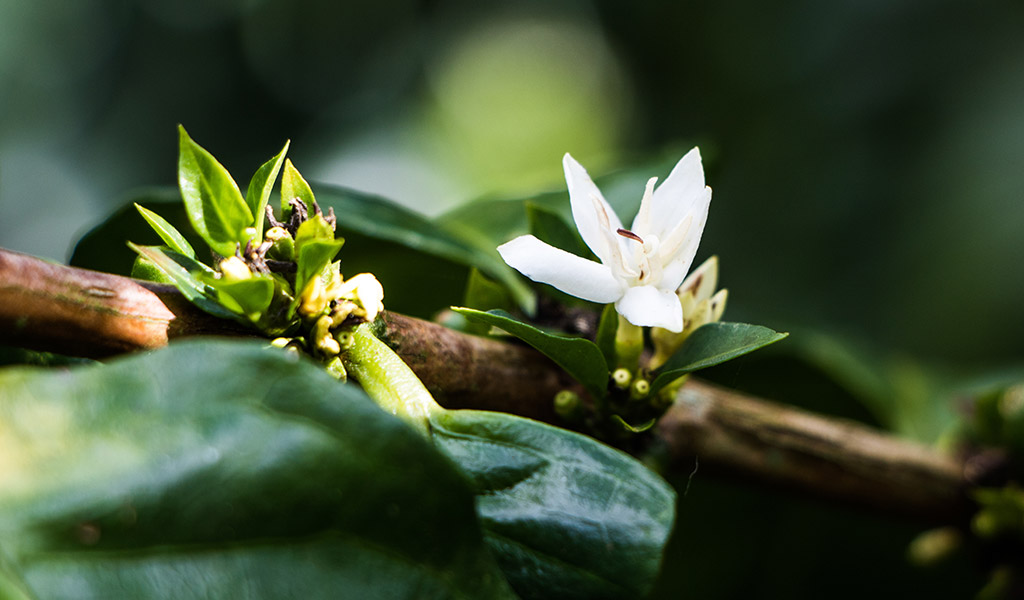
183,271
294,186
314,256
605,337
215,206
147,270
261,185
167,232
316,228
548,226
247,297
579,357
710,345
222,469
566,516
316,247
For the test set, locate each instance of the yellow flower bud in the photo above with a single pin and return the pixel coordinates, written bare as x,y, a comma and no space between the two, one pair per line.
313,300
235,269
366,292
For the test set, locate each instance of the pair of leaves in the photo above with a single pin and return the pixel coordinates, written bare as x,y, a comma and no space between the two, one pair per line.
709,345
215,206
221,469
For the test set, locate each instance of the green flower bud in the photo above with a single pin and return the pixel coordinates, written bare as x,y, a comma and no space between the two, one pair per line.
568,405
622,378
640,389
345,339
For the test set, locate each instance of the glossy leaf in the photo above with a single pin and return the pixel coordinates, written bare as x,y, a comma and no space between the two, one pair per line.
379,218
261,185
316,247
225,470
313,257
147,270
167,232
607,327
579,357
294,186
550,227
182,271
710,345
566,516
214,205
247,297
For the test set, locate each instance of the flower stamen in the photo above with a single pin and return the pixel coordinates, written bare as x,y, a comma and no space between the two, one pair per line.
629,235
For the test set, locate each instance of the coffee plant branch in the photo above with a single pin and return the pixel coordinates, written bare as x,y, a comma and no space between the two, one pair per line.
56,308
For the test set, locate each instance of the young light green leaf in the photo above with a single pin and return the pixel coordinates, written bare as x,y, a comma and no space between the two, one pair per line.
579,357
220,469
247,297
215,206
146,270
316,247
167,232
314,255
566,516
294,186
183,273
260,186
710,345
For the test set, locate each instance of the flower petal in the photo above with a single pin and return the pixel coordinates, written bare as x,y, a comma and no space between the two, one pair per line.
682,193
590,209
570,273
647,306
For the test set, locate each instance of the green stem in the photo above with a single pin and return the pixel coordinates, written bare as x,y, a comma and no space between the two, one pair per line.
388,380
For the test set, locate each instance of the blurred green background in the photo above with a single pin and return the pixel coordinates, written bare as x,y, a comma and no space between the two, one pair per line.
867,157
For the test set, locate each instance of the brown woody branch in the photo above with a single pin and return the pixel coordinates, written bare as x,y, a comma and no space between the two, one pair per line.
85,313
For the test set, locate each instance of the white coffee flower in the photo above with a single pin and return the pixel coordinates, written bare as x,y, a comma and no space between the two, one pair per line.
640,267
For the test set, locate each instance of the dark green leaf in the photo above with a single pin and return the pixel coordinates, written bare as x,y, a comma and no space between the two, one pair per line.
167,232
224,470
378,218
550,227
567,516
607,327
182,271
294,186
215,206
710,345
579,357
260,186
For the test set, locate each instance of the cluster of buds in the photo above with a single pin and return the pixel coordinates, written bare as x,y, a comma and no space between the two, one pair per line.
701,305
